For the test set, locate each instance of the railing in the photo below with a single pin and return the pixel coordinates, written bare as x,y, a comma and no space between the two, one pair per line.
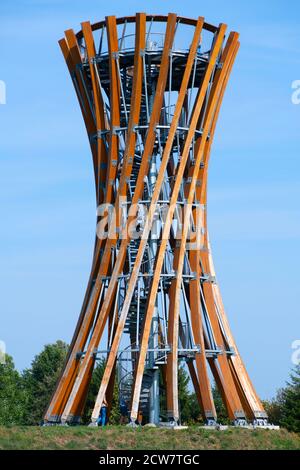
154,42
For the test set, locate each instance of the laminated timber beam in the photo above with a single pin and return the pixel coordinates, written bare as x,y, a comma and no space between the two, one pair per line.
88,361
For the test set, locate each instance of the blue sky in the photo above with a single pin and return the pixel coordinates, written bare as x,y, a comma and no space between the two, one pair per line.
46,190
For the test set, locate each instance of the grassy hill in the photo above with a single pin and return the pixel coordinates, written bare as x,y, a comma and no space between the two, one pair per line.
121,438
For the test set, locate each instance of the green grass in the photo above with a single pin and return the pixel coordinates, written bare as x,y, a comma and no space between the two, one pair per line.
123,438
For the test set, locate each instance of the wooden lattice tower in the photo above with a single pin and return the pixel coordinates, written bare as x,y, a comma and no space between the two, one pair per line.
150,90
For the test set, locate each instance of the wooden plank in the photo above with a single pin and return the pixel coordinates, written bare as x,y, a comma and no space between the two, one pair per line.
99,327
194,286
166,229
232,397
89,311
144,168
113,149
174,310
239,372
126,170
73,59
148,224
208,144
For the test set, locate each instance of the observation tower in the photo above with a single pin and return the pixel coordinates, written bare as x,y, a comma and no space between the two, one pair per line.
150,89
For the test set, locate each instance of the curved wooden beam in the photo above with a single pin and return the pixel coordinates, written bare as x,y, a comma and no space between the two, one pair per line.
88,360
148,224
169,218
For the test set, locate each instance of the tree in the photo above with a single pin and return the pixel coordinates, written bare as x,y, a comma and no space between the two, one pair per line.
188,405
222,415
192,412
13,396
40,380
291,402
274,407
284,409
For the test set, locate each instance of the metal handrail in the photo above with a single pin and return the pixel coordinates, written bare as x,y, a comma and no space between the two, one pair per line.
156,18
122,41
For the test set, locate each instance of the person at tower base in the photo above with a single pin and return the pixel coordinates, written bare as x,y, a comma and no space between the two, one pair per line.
103,414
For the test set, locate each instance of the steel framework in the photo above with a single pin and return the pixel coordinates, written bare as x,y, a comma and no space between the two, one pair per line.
150,90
